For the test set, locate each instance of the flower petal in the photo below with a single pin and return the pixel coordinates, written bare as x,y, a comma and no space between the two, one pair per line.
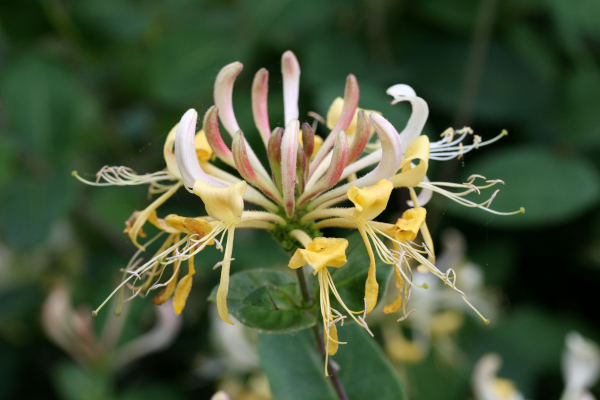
222,203
408,226
370,202
260,89
420,111
247,171
182,291
351,95
290,69
213,136
274,155
412,175
222,94
321,253
308,140
169,154
289,154
361,137
333,173
185,152
391,151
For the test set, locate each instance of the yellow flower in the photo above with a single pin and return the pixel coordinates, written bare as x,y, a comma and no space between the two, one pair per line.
368,204
408,226
321,253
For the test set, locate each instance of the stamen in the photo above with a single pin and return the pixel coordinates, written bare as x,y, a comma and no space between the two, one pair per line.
406,315
317,117
133,295
366,326
123,176
217,265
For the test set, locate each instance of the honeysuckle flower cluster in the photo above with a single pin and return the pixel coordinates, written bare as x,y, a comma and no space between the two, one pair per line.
309,178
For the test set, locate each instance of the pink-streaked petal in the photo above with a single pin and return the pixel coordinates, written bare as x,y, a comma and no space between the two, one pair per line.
185,152
289,154
274,155
391,157
223,90
351,95
301,170
213,136
336,167
361,137
290,69
420,112
247,171
260,89
308,140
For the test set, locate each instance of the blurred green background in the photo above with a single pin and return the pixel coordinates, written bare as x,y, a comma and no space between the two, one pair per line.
87,83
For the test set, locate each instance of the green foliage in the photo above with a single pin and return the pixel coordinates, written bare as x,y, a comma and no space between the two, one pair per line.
551,187
267,300
295,369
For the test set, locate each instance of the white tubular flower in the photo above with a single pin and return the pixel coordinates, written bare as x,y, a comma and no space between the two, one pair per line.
581,367
486,384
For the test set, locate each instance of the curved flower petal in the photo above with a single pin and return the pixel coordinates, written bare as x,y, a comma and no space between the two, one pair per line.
213,136
289,154
412,175
370,202
321,253
408,226
168,153
390,161
290,69
185,152
222,203
247,171
420,111
222,93
351,95
333,173
260,89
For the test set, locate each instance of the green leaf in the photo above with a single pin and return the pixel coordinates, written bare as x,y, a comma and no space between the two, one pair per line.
365,371
65,113
350,279
75,383
31,207
295,369
266,300
552,188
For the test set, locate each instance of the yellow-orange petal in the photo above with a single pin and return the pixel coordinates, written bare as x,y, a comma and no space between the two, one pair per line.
370,202
396,305
332,340
222,203
182,291
408,226
320,253
410,176
169,290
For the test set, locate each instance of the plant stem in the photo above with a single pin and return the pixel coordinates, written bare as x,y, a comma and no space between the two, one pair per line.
334,379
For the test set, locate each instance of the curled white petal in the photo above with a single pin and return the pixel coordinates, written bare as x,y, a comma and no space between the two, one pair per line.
290,69
420,111
185,152
580,364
